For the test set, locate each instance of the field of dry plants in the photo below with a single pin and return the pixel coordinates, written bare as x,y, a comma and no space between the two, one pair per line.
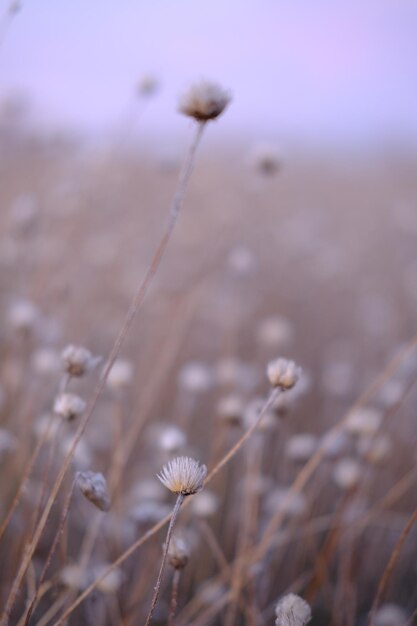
296,256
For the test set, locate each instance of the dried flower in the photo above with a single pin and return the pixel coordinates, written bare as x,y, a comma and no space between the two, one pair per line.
120,375
292,610
23,316
363,421
171,439
93,486
195,377
301,447
183,475
69,406
275,332
204,101
147,85
78,360
347,473
112,581
205,504
178,552
230,409
390,615
266,159
283,373
74,577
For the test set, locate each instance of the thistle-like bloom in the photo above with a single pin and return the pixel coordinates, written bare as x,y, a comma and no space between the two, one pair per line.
93,485
204,101
78,360
183,476
178,553
283,373
69,406
292,610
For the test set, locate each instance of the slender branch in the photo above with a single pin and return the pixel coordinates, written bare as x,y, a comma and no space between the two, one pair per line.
175,512
115,351
390,566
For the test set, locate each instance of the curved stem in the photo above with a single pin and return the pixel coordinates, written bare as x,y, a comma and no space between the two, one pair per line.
175,512
390,566
135,306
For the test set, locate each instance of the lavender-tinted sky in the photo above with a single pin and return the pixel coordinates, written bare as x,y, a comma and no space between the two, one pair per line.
334,68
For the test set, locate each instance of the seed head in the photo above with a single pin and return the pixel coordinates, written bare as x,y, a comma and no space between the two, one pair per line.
120,375
183,475
69,406
283,373
347,473
178,553
292,610
204,101
78,360
94,487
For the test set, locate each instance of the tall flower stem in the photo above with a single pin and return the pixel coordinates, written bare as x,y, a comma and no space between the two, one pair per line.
135,306
175,512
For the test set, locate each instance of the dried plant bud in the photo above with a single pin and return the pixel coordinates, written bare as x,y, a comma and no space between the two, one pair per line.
347,473
390,615
283,373
363,421
230,409
69,406
204,101
195,377
292,610
300,448
183,475
78,361
23,316
74,577
120,375
93,485
112,582
275,332
266,159
171,439
147,85
205,504
178,552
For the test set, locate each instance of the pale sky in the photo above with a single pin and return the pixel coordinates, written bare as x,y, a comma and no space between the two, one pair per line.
308,68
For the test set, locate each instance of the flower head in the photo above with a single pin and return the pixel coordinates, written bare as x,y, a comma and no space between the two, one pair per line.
69,406
93,486
178,552
283,373
204,101
292,610
78,360
183,475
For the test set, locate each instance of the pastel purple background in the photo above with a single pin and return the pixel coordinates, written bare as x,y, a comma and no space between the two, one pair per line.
321,70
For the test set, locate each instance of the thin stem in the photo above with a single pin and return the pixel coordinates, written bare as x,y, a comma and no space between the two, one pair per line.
51,553
175,512
390,566
115,351
152,531
174,597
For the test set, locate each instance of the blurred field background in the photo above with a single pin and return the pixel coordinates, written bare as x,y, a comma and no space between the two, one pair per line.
297,238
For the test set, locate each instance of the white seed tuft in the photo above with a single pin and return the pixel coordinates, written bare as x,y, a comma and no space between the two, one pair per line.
69,406
292,610
78,361
204,101
283,373
183,475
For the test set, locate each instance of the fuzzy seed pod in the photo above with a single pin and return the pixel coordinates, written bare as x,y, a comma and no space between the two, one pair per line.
183,475
178,553
347,473
283,373
292,610
78,361
204,101
94,487
69,406
120,375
